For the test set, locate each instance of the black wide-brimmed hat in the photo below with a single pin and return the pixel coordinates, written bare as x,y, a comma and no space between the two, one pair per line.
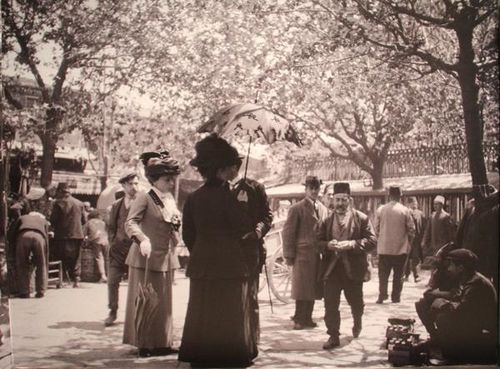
213,151
341,187
160,167
313,182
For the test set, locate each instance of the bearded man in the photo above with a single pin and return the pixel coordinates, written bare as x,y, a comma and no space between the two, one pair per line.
344,238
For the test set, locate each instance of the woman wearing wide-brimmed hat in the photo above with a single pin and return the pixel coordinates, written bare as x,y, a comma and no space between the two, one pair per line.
152,224
217,327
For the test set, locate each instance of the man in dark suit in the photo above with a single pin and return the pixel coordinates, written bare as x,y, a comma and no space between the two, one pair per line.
253,198
67,219
344,238
30,234
119,241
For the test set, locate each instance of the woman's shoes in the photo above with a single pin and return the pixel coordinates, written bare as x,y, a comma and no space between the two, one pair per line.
164,351
159,351
144,352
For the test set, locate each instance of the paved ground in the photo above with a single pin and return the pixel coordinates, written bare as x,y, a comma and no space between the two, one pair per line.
65,330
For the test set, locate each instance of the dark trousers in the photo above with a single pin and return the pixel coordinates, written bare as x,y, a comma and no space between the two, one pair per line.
386,263
115,275
411,267
353,292
462,345
70,255
303,311
31,244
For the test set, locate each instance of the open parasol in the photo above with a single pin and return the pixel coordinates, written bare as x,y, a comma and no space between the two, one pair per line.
252,121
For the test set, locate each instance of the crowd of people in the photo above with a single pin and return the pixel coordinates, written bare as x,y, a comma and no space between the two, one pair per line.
326,241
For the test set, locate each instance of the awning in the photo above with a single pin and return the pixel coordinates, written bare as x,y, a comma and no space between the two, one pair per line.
78,183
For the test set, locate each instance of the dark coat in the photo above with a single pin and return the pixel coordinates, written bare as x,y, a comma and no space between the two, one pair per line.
362,232
31,222
67,218
479,232
213,224
253,198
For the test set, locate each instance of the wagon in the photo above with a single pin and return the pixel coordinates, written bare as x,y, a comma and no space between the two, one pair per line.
276,273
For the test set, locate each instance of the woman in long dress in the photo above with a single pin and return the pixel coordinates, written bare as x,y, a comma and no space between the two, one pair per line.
152,224
217,331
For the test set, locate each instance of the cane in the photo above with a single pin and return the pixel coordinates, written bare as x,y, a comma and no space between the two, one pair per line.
268,289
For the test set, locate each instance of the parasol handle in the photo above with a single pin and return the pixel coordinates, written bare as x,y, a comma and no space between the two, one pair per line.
248,157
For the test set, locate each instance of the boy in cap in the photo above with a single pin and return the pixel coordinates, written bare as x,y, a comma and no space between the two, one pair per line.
299,250
344,239
119,241
464,325
395,229
440,228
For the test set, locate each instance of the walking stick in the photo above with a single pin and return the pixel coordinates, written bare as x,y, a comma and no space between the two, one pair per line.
268,289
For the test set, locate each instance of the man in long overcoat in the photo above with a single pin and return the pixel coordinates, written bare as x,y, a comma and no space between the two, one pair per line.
344,238
300,251
67,219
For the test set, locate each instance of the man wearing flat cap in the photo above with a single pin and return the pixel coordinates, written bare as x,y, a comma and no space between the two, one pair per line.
119,241
30,234
440,228
464,325
67,219
344,239
299,250
395,229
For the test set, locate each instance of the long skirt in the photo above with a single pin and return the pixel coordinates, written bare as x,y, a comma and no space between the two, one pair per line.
157,331
217,330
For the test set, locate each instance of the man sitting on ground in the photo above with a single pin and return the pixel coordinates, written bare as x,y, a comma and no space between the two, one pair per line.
463,325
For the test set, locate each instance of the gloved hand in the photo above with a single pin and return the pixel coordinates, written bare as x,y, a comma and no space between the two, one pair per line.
145,247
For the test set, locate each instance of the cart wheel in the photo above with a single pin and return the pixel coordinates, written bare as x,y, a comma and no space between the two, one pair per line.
280,277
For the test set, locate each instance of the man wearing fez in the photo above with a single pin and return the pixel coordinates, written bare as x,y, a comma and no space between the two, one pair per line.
67,219
344,239
299,250
462,324
30,234
440,228
395,228
119,241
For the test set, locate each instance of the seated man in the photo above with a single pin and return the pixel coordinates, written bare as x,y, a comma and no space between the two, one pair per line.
462,324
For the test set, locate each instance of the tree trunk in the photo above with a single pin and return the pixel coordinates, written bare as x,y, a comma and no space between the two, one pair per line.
467,72
49,139
378,174
49,150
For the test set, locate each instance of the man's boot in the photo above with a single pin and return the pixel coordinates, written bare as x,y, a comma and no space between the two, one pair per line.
110,320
